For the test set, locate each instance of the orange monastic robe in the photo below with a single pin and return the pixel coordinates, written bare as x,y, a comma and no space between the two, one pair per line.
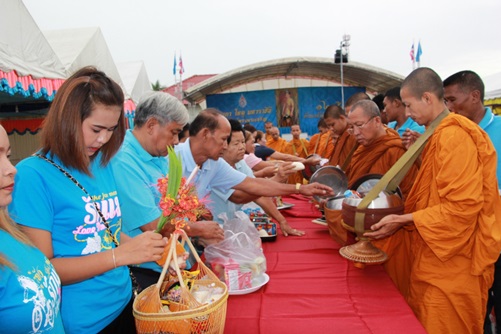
278,145
299,148
342,147
322,144
314,142
378,158
456,236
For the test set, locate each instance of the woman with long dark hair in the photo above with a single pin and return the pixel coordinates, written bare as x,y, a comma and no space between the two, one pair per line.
66,200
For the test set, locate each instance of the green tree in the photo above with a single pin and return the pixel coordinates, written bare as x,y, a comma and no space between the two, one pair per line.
157,86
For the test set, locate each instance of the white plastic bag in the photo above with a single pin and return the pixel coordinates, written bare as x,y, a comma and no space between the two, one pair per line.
241,223
239,258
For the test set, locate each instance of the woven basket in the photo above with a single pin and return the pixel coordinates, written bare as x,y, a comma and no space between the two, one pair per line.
207,318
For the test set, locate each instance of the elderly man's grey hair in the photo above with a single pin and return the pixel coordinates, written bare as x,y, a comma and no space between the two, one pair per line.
369,108
163,107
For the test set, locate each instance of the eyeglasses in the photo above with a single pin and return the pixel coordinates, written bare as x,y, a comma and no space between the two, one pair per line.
352,127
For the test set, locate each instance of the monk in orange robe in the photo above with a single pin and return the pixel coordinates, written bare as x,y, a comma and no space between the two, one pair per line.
327,142
453,215
297,147
275,142
322,144
344,143
379,147
314,146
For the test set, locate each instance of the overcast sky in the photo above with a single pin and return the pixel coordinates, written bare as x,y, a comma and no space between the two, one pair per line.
216,36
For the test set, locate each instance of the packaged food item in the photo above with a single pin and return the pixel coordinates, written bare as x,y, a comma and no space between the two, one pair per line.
267,230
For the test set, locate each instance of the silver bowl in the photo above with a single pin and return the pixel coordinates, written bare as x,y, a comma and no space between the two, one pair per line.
335,203
383,201
332,177
385,204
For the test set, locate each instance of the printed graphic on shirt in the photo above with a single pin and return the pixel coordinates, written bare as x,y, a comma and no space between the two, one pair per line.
93,231
42,289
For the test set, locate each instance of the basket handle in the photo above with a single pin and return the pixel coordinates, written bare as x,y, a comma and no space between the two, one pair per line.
172,255
169,257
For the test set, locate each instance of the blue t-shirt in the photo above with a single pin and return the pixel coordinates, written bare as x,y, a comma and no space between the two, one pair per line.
30,290
219,202
46,199
136,174
492,125
214,174
408,124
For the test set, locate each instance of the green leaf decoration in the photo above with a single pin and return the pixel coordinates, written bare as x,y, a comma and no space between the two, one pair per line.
175,173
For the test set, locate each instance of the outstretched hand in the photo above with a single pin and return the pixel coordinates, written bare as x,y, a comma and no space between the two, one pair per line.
317,189
288,230
313,160
285,169
388,226
209,230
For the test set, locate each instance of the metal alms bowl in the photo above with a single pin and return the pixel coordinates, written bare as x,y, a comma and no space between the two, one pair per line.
332,177
383,201
335,203
385,204
365,183
309,170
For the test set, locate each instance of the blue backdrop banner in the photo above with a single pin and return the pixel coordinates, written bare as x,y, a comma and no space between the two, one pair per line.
282,107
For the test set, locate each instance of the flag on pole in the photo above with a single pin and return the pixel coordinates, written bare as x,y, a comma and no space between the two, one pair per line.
418,53
181,67
412,52
175,65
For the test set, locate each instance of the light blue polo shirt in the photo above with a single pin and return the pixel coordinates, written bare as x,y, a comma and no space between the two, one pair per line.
492,125
214,174
136,174
219,200
408,124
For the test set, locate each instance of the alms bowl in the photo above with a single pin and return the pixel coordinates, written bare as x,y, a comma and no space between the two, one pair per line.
385,204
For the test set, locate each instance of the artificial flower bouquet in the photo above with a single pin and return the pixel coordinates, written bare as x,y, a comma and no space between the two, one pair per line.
179,201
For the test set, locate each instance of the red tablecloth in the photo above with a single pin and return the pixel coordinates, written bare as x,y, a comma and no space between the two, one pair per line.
312,289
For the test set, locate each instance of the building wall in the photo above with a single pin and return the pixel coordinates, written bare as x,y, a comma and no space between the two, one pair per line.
23,146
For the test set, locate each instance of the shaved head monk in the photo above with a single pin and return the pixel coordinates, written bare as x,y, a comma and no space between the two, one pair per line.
298,147
359,96
318,142
379,147
344,143
452,215
274,141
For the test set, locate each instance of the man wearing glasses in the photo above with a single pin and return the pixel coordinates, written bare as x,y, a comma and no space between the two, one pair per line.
379,147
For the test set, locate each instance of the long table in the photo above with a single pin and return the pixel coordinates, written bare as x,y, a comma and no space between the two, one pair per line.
312,289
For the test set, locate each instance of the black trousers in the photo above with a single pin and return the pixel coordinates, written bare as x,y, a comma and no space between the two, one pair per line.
123,324
145,277
494,300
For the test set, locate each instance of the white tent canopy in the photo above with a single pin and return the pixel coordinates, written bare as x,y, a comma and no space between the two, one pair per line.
135,79
492,86
23,47
81,47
